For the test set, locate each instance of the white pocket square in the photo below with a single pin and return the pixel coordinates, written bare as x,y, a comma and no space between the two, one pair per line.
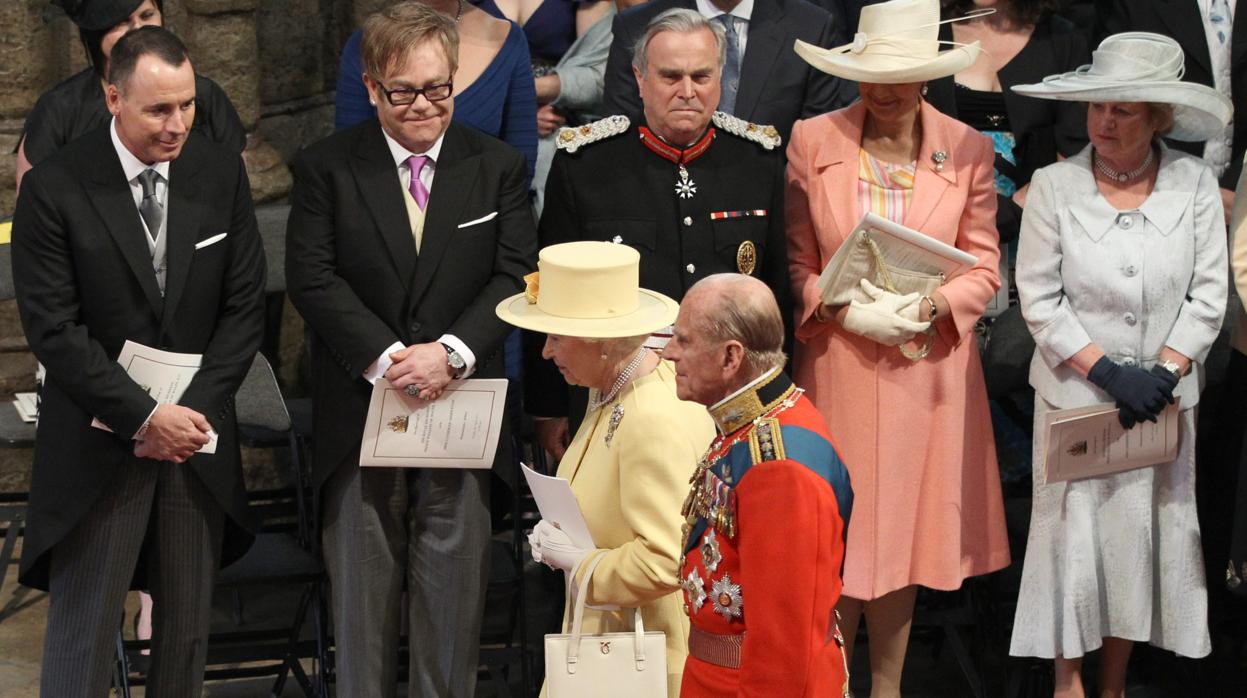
482,219
208,241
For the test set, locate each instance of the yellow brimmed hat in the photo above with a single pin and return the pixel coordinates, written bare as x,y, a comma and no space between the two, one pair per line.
591,290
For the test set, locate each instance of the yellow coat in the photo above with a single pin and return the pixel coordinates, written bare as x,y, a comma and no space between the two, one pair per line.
631,493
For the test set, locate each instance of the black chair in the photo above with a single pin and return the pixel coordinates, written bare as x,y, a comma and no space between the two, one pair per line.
271,219
285,556
505,641
14,433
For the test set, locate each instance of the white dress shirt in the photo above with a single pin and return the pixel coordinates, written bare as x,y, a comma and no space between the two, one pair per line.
400,155
133,167
741,15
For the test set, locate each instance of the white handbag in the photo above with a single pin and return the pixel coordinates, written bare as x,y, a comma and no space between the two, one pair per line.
610,665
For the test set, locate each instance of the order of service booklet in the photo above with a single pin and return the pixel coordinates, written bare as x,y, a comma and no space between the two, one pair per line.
163,374
1089,441
460,429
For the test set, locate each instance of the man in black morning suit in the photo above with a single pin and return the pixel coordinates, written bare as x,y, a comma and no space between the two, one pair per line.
406,231
138,232
775,86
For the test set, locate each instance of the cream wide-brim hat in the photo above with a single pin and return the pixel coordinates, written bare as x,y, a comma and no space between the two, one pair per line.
896,42
1141,67
589,290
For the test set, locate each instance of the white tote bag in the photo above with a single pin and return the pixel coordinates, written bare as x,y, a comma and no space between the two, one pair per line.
610,665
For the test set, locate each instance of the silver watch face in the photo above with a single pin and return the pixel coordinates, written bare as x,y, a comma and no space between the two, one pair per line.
455,359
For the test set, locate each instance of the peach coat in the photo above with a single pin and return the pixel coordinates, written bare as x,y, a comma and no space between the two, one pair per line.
916,437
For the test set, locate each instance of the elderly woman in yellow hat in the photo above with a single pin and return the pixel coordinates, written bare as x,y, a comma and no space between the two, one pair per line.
630,460
898,377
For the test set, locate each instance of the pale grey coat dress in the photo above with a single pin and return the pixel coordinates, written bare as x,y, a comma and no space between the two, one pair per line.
1117,555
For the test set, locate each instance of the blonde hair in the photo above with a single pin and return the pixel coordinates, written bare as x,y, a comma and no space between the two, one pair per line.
389,35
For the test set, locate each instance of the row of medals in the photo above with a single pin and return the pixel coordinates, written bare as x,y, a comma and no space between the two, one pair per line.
712,499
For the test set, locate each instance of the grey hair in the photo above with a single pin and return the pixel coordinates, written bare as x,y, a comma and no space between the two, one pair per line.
744,309
619,346
681,21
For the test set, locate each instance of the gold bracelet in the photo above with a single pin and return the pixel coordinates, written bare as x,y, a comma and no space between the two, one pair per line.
934,311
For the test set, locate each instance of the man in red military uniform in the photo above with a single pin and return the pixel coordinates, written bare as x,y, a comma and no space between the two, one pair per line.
766,516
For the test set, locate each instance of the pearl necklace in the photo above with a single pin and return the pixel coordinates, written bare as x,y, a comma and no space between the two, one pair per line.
624,376
1122,177
460,12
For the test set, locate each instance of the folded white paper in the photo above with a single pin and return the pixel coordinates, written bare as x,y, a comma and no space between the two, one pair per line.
165,376
558,505
460,429
1089,441
26,407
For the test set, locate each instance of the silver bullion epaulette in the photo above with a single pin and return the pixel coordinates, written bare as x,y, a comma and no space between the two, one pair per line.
764,135
572,138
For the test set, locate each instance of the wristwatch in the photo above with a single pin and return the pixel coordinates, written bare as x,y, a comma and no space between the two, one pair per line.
455,360
1173,368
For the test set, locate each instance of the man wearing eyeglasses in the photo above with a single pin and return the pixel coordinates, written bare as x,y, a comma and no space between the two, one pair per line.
405,232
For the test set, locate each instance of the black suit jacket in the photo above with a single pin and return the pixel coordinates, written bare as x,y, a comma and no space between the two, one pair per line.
777,87
354,275
85,285
1182,20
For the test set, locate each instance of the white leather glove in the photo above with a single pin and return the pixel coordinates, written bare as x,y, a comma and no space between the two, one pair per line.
554,547
889,318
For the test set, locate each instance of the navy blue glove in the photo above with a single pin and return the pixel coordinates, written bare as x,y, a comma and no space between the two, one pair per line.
1141,395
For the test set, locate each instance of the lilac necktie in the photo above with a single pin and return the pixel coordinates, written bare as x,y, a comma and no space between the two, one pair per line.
419,192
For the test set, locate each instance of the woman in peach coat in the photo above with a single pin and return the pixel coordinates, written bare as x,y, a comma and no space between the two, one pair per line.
915,435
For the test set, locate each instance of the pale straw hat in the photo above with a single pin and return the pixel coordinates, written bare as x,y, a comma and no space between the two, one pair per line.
896,42
1141,67
591,290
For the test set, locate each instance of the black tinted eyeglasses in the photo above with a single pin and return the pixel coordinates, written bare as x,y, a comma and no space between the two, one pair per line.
403,96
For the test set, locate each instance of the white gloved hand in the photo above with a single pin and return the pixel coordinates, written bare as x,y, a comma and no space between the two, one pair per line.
889,318
552,546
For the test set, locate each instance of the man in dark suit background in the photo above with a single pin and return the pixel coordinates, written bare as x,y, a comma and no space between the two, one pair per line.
763,80
138,232
1214,37
406,231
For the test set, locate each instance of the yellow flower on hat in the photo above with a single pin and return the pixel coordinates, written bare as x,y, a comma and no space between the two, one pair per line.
532,286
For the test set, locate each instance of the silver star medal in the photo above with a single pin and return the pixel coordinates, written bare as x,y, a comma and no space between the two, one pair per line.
727,598
710,555
686,187
695,589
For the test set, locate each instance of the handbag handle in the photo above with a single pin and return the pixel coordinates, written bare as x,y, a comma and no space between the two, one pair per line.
578,612
885,280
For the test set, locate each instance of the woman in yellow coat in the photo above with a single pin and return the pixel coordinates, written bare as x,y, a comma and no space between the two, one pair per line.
630,461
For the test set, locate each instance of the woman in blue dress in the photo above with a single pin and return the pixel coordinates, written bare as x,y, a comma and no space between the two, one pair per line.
493,86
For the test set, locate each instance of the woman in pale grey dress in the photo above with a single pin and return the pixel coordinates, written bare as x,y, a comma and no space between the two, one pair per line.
1122,278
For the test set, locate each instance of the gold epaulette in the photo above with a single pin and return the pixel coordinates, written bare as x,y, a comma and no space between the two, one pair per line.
572,138
764,135
766,441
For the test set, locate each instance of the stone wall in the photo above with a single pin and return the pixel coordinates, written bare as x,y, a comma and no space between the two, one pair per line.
277,60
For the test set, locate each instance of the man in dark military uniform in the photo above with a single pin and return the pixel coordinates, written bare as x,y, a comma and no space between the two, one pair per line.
696,192
767,512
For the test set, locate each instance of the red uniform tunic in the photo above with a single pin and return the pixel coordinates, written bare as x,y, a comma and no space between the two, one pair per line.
765,527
